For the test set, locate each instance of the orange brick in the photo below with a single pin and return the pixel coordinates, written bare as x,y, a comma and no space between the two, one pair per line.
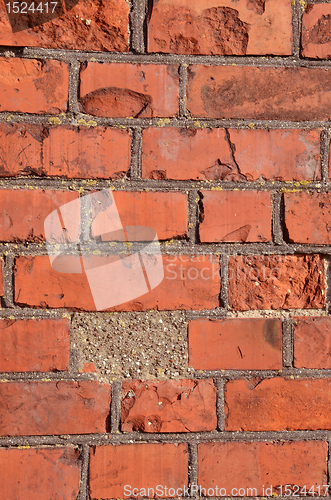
243,216
312,342
220,27
248,468
32,474
140,466
235,344
277,404
315,37
31,86
169,406
129,90
59,407
34,345
260,93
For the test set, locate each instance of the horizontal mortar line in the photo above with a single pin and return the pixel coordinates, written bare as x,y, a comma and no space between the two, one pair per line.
176,247
224,375
285,372
159,58
174,121
136,437
46,376
127,184
254,314
24,313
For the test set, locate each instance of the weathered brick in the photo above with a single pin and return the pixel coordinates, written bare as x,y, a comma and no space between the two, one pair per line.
34,345
171,153
235,344
31,86
315,37
277,404
129,90
169,406
189,283
308,217
243,216
276,282
95,152
23,212
59,407
249,468
220,27
259,92
40,474
86,153
90,25
139,466
2,273
312,342
164,212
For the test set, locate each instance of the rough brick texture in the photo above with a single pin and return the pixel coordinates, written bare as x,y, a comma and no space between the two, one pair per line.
315,39
171,153
23,212
139,465
30,86
259,93
129,91
221,27
276,282
242,344
34,345
38,473
189,283
164,212
312,343
165,180
277,404
36,408
235,216
64,152
250,466
308,217
169,406
85,25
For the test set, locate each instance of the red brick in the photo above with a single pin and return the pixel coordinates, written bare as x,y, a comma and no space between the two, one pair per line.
166,213
308,217
107,30
262,465
34,345
189,283
59,407
171,153
140,466
276,282
235,344
221,27
40,474
86,153
243,216
63,151
316,25
23,212
169,406
129,90
259,92
278,404
312,342
31,86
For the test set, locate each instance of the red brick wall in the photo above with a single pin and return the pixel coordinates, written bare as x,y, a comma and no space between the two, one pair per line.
208,121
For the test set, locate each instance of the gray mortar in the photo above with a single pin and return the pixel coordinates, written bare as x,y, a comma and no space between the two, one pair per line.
140,345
